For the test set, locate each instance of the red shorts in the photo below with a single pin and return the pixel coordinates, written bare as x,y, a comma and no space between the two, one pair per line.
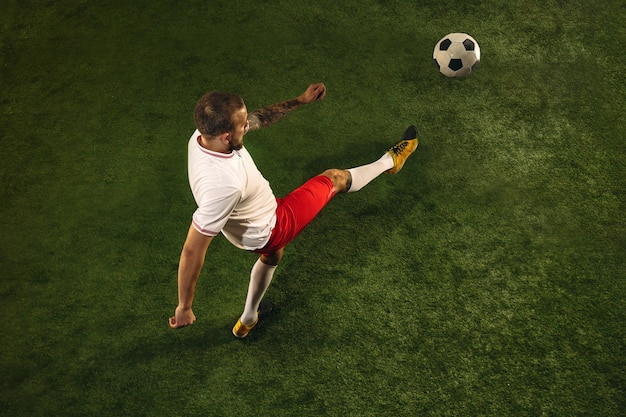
296,210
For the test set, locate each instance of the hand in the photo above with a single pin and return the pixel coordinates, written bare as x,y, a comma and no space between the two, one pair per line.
315,92
182,318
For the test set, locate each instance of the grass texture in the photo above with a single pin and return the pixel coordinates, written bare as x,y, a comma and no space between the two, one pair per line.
486,278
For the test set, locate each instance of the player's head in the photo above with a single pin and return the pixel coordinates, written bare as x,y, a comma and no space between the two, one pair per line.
218,113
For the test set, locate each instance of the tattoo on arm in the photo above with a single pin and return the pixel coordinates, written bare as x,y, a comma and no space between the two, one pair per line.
269,115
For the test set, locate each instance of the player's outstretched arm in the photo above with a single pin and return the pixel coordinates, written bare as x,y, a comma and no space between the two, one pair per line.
269,115
191,262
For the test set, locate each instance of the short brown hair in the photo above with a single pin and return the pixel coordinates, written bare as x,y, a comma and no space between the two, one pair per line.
213,113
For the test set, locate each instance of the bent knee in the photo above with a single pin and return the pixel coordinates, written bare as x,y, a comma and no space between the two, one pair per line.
274,258
339,178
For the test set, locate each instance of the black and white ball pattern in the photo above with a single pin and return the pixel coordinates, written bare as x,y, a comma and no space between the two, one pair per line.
456,54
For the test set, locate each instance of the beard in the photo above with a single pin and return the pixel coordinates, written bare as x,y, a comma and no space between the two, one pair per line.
235,147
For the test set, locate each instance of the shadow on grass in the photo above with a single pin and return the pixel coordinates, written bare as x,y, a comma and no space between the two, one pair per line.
201,340
173,345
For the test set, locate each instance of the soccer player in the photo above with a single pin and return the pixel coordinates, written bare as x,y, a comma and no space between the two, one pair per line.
233,197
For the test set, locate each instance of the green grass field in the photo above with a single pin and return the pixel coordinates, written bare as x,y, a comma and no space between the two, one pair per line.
486,279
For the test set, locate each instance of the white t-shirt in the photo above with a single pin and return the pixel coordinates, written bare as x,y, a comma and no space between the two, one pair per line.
232,196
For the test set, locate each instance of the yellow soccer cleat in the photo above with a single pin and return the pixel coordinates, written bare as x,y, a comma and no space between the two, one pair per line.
240,330
403,149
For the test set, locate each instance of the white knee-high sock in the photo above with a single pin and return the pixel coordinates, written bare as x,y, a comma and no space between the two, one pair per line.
260,278
363,175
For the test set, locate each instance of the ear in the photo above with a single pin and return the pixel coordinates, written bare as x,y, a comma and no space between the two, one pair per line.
225,138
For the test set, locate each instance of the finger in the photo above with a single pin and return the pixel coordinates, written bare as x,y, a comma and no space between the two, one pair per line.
316,87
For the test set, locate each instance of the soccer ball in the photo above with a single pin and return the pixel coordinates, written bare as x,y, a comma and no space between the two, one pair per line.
456,54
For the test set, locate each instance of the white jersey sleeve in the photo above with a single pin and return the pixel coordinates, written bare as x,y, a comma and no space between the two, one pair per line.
214,210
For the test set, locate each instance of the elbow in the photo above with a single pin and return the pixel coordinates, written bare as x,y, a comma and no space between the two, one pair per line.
191,252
